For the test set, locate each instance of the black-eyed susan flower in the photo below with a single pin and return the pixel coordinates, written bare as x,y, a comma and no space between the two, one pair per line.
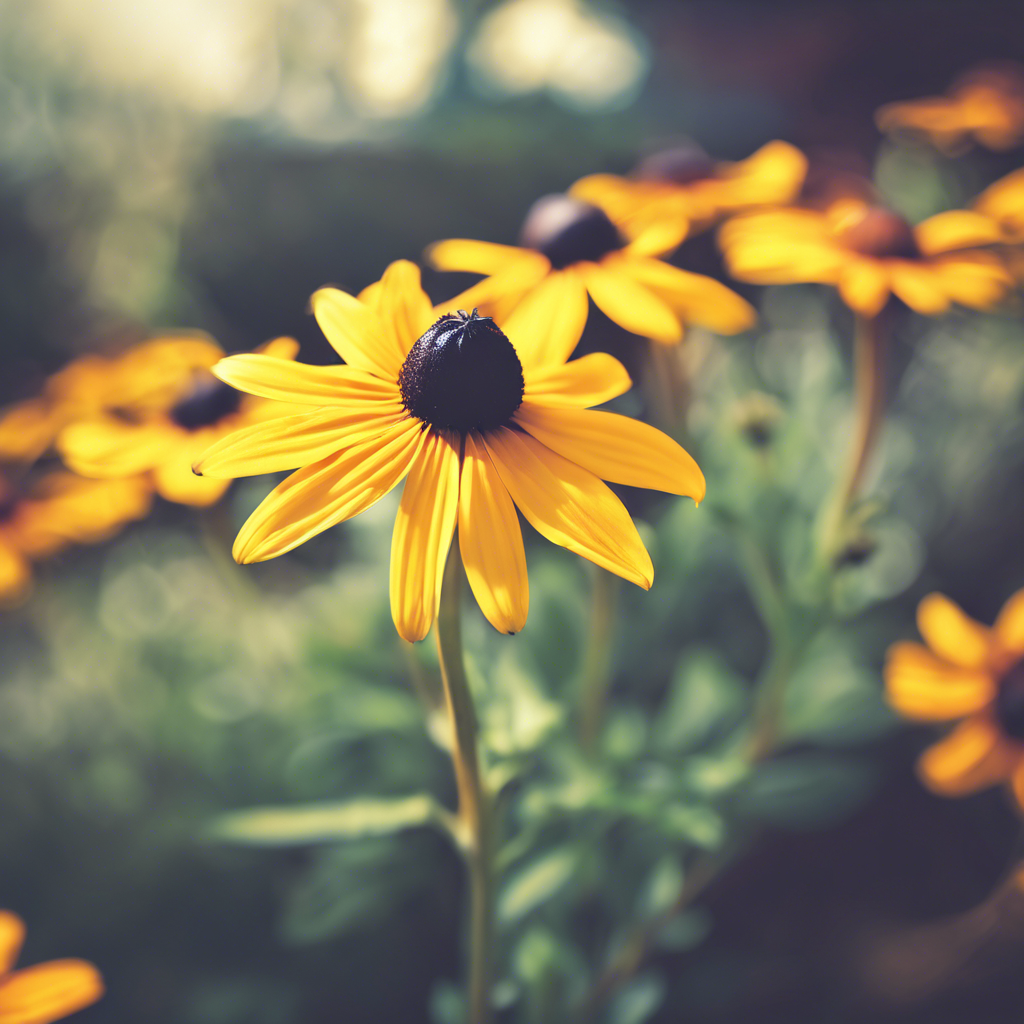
571,249
478,419
683,186
971,672
985,106
44,992
40,517
166,419
869,253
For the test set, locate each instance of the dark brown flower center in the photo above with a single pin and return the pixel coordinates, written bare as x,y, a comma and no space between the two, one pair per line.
880,232
462,374
1009,702
679,165
207,401
569,231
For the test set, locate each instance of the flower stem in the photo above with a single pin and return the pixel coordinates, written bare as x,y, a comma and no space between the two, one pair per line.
597,662
474,803
869,397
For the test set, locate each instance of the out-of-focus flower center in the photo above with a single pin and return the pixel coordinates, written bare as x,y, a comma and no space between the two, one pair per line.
1009,702
462,374
679,165
569,231
873,230
207,401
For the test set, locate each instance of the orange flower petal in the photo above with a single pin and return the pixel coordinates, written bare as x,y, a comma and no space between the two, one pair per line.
357,334
864,286
546,325
956,229
952,635
919,685
48,992
590,380
1009,627
630,304
919,287
12,935
972,757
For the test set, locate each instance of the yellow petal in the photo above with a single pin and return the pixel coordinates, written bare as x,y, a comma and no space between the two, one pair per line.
302,383
590,380
48,992
919,287
15,577
568,505
109,447
615,448
27,429
280,348
919,685
972,757
864,286
976,279
1009,627
1004,201
546,325
404,310
476,257
769,259
327,492
422,536
491,542
356,333
956,229
952,635
291,441
773,174
631,305
175,481
12,935
695,298
659,238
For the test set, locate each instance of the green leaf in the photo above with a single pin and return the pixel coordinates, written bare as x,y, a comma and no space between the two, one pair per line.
516,715
705,698
537,882
326,823
637,1001
662,887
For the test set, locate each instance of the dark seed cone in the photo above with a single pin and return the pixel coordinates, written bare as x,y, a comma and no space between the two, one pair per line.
568,231
1009,704
208,401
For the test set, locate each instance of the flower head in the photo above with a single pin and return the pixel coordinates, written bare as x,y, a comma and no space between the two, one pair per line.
571,248
171,408
45,992
984,106
683,186
967,671
55,510
869,252
478,419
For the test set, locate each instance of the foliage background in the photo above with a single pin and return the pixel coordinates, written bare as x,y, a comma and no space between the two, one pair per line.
149,686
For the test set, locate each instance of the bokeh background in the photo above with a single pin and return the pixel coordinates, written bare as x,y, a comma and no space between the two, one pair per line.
208,165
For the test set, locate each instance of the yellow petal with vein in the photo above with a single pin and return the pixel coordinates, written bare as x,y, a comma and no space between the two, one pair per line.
630,304
951,634
476,257
864,286
546,325
972,757
288,442
919,685
1009,627
356,333
569,505
12,935
615,448
175,481
404,310
422,536
302,383
48,992
327,492
956,229
109,447
590,380
491,542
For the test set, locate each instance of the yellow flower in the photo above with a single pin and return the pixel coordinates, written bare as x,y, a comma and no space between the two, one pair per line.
480,420
54,511
972,672
45,992
985,106
172,409
571,249
869,252
685,187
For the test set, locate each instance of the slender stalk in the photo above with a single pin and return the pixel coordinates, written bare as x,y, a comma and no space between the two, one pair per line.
474,803
869,351
597,661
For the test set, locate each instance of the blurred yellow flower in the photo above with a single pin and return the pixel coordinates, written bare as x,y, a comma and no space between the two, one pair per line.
54,511
480,420
571,249
172,408
972,672
45,992
686,188
984,106
1003,201
868,252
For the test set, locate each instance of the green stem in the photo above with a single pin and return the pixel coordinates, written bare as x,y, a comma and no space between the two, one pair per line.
597,661
474,803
